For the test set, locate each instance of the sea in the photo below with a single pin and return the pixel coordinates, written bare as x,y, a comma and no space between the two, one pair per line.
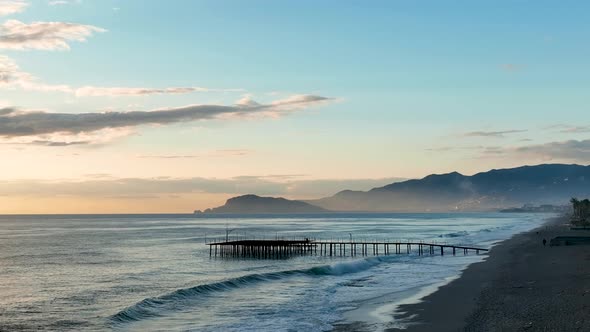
154,272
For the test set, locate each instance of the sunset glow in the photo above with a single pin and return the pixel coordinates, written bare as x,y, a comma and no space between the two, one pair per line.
153,106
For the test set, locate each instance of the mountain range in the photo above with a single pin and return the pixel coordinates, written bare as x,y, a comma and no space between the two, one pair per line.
487,191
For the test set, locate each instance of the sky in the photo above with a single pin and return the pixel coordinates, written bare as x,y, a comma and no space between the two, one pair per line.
112,106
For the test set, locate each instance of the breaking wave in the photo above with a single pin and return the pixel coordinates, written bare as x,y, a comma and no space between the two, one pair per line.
181,298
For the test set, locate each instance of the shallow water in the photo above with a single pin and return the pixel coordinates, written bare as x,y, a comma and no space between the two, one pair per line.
153,272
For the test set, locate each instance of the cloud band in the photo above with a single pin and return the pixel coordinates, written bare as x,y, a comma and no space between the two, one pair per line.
15,123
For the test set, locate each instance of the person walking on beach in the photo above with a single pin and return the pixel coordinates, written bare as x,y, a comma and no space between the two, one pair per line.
544,242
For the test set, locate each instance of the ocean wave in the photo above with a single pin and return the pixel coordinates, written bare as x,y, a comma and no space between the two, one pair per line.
455,234
181,298
475,232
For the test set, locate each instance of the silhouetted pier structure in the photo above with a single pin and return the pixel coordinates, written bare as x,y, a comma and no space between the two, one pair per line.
274,249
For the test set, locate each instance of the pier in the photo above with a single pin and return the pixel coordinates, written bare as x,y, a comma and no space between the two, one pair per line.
277,249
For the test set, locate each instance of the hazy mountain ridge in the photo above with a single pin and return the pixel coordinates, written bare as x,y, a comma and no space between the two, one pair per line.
491,190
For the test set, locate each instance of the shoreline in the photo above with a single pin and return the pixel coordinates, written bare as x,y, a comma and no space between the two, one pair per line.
520,285
376,314
389,312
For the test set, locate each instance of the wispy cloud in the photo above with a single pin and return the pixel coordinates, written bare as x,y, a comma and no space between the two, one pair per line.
569,129
273,177
572,150
565,151
454,148
9,71
441,149
56,143
16,123
207,154
497,134
8,7
92,91
64,2
11,76
60,139
512,67
50,36
562,151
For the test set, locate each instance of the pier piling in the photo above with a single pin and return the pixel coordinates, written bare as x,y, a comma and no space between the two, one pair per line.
278,249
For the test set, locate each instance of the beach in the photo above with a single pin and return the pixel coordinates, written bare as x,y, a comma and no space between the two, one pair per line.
521,286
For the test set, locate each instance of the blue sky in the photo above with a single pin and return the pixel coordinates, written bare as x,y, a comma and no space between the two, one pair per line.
411,88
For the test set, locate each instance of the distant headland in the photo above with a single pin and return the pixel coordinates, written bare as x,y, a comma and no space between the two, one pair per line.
253,204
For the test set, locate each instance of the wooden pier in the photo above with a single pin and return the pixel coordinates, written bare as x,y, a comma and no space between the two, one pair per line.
276,249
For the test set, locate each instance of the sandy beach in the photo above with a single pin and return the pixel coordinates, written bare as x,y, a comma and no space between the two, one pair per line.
521,286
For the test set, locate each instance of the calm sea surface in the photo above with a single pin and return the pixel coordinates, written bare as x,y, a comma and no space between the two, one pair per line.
153,272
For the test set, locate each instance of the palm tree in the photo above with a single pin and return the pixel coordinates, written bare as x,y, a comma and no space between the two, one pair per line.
576,206
585,208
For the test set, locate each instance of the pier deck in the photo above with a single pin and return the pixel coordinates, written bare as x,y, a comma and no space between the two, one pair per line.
272,249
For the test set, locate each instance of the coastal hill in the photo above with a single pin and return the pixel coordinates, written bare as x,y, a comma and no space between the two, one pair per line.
487,191
492,190
252,204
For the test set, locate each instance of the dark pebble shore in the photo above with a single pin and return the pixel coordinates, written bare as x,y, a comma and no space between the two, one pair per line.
522,286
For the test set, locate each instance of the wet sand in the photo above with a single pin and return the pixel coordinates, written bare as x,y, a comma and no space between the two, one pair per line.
521,286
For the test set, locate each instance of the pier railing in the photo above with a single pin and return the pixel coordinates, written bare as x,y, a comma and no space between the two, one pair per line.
284,248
